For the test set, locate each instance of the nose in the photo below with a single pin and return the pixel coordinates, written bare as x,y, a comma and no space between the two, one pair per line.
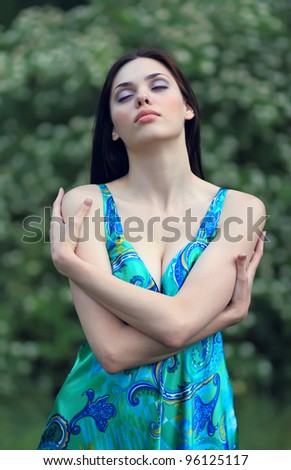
142,98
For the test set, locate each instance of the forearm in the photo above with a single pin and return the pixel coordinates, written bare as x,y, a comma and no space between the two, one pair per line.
143,309
156,315
119,346
132,348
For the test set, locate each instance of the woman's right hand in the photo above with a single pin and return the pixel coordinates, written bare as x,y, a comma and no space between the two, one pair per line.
64,235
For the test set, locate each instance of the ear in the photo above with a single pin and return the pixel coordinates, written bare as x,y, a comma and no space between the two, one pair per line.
189,112
115,136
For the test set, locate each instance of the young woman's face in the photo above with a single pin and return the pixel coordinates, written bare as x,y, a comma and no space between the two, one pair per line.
146,103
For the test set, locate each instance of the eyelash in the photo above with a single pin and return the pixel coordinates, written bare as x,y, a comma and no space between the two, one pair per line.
159,86
155,87
123,98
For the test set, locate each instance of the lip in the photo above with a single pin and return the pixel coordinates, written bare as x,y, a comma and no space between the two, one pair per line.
145,112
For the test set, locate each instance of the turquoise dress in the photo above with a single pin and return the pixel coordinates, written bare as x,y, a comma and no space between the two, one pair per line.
183,402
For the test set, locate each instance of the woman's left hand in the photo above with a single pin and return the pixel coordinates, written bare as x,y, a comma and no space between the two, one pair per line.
241,297
64,236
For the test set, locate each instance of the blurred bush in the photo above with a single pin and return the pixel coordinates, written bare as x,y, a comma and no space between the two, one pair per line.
52,65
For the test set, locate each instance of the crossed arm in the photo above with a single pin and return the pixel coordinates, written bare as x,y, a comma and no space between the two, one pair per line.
126,325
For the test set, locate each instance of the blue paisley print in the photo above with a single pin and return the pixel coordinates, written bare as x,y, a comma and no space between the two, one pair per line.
183,402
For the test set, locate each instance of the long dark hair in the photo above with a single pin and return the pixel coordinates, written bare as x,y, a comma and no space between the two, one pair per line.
109,159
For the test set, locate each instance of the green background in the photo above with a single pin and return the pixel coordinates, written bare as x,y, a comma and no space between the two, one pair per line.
53,59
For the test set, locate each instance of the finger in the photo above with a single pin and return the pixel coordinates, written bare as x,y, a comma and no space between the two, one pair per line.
256,258
57,235
56,211
240,288
85,207
81,214
241,266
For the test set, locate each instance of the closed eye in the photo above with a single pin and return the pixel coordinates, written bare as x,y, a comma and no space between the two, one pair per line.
124,95
159,84
157,87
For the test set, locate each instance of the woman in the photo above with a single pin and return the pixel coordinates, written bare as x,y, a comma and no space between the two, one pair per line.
152,300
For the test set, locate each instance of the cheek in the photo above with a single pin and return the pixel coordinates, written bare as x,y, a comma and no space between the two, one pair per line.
120,118
175,109
175,103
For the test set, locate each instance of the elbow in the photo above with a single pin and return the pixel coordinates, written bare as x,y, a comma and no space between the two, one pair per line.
111,361
177,329
175,341
176,336
111,365
112,368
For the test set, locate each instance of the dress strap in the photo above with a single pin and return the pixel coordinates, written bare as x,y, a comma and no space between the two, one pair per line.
112,223
209,225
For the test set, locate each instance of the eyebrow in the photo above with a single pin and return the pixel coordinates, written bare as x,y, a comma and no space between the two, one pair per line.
148,77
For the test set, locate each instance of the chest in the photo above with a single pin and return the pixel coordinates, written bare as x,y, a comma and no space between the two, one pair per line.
158,238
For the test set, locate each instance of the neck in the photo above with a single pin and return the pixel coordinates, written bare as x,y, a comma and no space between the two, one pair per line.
162,173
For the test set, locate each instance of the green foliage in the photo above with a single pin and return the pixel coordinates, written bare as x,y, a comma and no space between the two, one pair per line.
52,65
8,10
48,95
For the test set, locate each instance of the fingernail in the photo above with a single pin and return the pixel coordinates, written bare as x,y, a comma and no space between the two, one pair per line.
242,256
88,201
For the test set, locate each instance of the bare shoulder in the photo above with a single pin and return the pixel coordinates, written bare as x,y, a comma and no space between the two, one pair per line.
74,198
239,203
242,220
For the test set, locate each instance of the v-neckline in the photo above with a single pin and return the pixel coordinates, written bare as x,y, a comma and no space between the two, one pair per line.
124,240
